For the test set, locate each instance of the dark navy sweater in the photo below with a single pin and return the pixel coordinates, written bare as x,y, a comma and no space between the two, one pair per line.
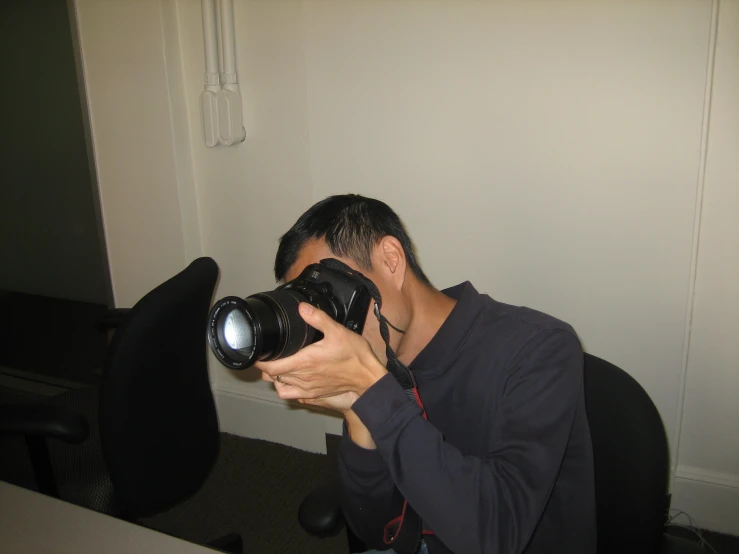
504,463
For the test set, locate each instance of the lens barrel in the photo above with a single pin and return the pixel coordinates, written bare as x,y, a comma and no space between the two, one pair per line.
265,326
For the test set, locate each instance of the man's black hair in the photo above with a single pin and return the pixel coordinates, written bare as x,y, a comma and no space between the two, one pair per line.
351,225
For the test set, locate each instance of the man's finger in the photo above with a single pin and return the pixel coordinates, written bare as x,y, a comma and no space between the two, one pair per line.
266,377
296,362
317,318
293,380
289,392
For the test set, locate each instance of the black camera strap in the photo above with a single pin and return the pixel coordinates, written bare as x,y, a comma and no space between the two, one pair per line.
403,533
396,368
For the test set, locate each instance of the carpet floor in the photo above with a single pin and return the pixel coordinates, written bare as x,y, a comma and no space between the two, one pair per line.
255,489
715,543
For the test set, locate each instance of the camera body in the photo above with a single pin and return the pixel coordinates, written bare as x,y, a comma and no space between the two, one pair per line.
345,299
267,326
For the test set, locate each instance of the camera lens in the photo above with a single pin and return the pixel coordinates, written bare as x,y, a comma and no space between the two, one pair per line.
238,332
232,333
265,326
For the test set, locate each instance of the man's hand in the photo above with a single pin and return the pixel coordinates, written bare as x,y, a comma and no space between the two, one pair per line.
332,372
339,403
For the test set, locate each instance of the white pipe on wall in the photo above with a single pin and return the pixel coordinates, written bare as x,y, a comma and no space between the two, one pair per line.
230,119
210,39
208,98
228,42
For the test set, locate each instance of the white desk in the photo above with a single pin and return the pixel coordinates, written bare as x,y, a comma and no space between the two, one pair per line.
31,522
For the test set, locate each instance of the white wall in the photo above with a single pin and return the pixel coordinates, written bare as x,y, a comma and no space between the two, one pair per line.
550,152
132,131
708,457
548,155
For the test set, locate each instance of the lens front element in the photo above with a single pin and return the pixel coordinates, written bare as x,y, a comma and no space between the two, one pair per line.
238,332
232,334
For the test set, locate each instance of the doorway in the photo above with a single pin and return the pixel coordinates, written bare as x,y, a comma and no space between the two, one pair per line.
54,276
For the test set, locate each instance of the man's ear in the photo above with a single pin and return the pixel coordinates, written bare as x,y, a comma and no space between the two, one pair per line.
392,259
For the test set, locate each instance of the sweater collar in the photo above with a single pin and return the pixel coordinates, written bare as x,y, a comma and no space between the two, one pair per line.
451,336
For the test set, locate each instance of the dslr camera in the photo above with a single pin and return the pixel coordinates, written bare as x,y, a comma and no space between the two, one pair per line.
267,326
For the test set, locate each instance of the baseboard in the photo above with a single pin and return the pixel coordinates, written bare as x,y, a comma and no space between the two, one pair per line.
710,498
253,413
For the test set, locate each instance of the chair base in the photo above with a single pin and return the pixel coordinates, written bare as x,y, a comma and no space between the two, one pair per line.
676,545
231,543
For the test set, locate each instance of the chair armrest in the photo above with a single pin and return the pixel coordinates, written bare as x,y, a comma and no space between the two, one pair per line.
43,420
113,318
320,512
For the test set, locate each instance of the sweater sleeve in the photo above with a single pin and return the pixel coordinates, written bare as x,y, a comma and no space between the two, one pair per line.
369,498
488,505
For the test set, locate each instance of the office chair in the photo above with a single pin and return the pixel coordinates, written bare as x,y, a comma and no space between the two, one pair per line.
147,439
631,462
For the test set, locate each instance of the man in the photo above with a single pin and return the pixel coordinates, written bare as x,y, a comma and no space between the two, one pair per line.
503,464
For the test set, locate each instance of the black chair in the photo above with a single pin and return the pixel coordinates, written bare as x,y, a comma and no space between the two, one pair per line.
153,430
632,468
632,464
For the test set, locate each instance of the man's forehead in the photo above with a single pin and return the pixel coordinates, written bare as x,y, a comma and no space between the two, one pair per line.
312,252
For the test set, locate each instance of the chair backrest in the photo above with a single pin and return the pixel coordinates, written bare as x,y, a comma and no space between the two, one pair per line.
158,424
631,460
